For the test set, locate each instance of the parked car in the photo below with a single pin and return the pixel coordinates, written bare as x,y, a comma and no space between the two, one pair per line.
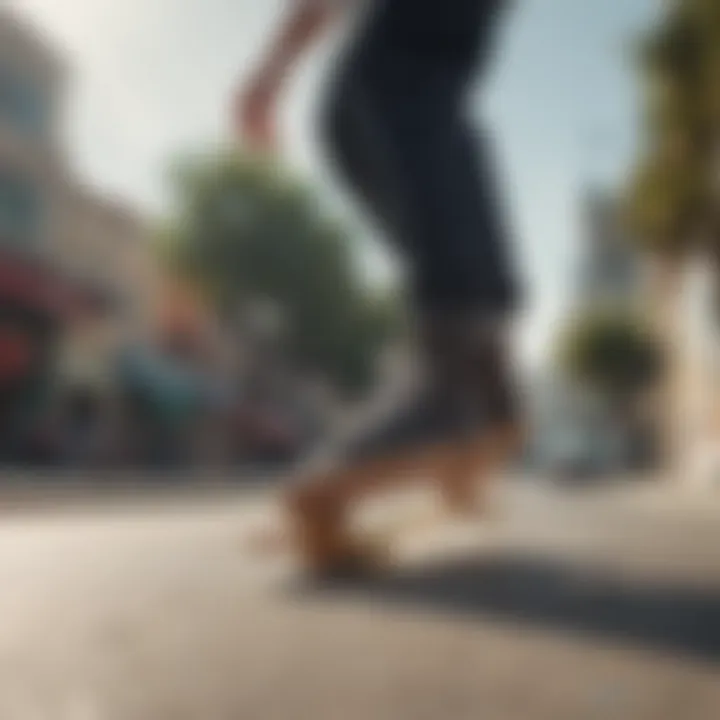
574,454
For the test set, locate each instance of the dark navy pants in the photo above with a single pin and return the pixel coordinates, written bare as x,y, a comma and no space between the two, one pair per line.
398,129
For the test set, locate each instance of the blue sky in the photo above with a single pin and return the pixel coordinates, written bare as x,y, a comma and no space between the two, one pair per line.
564,102
151,77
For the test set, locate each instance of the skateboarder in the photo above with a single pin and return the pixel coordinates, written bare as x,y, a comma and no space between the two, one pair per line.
397,127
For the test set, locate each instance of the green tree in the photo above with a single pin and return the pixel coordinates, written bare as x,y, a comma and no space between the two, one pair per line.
244,231
613,354
673,197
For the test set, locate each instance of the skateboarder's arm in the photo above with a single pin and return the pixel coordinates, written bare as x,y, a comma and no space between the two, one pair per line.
303,23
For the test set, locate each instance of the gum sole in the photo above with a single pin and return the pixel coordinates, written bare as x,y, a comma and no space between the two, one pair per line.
462,463
462,474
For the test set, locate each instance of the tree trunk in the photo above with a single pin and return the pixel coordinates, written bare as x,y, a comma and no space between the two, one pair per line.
700,338
679,306
663,295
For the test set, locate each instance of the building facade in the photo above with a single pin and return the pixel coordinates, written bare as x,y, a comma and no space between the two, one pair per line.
76,271
610,270
574,428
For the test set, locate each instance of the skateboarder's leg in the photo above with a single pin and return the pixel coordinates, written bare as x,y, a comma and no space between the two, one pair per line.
400,138
448,441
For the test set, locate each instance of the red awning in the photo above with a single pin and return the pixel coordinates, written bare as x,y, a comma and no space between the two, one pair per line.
16,354
34,285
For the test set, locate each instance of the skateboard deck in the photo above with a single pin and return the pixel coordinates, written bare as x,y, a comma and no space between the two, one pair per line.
377,545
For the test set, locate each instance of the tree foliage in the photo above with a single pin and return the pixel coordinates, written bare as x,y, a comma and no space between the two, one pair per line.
611,352
245,231
673,197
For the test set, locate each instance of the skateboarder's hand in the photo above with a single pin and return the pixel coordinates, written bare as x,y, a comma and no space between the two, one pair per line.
255,110
255,115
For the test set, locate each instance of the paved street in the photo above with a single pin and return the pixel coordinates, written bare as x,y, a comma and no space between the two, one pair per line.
602,604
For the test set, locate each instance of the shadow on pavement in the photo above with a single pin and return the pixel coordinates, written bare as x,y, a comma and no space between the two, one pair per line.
558,595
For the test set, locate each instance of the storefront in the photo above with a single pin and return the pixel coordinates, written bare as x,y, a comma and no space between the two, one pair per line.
35,304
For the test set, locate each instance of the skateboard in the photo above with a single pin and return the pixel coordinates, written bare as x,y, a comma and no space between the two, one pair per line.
322,528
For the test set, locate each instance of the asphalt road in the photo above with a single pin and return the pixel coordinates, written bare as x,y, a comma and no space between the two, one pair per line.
565,605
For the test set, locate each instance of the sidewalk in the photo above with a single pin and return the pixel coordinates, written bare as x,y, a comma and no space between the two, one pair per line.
22,490
552,612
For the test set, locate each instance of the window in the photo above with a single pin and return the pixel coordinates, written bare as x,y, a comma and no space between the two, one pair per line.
22,102
20,211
